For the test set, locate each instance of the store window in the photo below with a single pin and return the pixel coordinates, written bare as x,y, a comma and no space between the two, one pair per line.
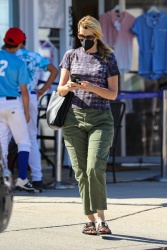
51,20
49,45
143,115
9,13
81,9
4,20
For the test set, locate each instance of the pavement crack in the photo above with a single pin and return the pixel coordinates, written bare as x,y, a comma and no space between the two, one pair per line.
46,202
138,212
39,228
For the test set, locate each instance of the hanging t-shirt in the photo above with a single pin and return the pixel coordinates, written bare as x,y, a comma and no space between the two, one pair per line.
116,33
151,31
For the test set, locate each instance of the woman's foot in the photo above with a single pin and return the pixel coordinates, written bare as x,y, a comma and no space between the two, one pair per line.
89,228
102,228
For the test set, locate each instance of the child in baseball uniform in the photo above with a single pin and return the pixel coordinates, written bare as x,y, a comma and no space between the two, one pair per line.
14,114
35,64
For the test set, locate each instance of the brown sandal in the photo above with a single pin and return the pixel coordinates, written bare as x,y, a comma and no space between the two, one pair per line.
89,228
103,228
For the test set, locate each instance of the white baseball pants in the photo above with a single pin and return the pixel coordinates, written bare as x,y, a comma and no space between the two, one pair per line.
34,157
12,119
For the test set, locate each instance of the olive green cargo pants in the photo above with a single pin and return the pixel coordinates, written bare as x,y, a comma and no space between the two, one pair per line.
88,135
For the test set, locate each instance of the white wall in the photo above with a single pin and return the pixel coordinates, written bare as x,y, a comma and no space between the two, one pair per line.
29,22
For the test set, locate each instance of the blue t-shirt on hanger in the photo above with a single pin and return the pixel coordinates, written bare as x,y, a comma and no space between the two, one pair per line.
151,31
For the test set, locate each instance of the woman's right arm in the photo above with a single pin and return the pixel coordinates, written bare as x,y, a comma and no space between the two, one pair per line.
63,88
65,85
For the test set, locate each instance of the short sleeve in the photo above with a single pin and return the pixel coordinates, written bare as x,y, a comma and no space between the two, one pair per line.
112,66
44,63
66,61
135,27
23,76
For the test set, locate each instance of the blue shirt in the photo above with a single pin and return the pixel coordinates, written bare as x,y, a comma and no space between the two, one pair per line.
151,31
94,70
13,73
35,63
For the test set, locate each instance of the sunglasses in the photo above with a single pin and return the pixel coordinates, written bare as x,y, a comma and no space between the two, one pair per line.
89,37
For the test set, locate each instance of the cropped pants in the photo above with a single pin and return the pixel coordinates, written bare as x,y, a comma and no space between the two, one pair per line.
88,136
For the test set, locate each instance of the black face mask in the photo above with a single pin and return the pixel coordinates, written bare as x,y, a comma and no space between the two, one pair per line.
87,44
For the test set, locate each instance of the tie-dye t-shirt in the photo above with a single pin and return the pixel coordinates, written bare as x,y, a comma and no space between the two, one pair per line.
35,63
92,69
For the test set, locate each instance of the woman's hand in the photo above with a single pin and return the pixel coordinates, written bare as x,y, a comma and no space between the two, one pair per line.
86,86
83,85
72,86
107,93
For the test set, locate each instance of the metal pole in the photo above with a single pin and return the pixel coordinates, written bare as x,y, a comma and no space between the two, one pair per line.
164,138
59,163
122,4
59,157
67,33
123,130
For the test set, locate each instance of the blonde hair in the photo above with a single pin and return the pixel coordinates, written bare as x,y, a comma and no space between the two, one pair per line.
91,23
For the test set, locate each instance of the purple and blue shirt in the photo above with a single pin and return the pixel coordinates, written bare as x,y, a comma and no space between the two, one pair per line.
94,70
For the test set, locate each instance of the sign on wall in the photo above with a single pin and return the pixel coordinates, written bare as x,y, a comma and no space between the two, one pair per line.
51,14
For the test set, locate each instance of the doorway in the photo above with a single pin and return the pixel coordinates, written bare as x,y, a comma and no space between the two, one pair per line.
81,9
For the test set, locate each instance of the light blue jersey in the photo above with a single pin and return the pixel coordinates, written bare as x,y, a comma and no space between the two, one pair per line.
151,31
35,63
13,72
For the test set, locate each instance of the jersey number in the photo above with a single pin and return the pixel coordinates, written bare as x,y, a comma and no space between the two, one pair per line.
3,65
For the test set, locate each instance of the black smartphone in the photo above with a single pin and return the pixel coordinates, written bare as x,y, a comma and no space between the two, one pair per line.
75,78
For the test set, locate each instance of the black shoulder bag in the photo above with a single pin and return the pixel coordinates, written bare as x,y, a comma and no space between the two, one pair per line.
58,107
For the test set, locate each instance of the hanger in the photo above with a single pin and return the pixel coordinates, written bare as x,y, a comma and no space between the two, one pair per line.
153,9
117,8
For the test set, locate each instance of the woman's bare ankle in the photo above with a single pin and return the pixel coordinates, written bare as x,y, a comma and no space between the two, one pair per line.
90,218
100,215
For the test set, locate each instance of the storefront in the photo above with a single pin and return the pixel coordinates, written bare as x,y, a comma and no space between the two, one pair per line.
51,26
143,121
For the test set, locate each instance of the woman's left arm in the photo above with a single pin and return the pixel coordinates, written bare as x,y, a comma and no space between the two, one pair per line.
110,93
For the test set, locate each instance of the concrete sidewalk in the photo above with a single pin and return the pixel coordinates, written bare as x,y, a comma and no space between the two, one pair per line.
137,215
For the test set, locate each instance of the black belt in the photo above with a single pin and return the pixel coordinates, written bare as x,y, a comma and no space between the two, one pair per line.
10,98
33,92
